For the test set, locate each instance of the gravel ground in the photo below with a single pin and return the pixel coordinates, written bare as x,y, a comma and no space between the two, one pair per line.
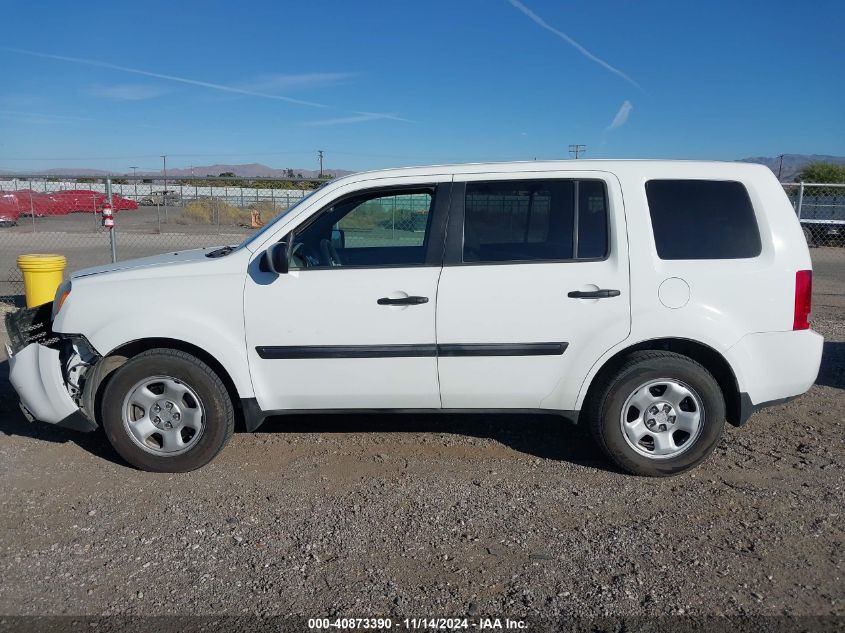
437,516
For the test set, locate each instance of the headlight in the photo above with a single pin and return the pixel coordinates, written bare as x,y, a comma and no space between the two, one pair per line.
61,294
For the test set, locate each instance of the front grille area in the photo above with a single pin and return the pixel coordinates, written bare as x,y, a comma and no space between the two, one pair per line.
31,325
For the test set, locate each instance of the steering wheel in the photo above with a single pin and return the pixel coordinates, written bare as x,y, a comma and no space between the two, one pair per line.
329,253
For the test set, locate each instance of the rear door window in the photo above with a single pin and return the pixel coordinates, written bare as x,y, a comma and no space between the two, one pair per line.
702,219
535,220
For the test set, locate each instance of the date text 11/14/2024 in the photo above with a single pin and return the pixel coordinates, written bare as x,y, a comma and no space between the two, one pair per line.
440,624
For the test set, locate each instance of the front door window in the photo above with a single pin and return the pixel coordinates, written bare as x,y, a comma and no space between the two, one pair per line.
387,229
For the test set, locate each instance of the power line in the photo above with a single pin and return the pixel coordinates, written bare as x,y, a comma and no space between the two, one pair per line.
577,150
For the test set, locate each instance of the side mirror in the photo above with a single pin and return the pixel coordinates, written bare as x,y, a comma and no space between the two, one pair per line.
275,259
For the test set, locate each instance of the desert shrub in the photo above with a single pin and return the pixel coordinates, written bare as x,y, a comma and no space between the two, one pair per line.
366,217
208,211
374,214
400,219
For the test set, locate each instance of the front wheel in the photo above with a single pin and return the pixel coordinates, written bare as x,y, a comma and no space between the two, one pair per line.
659,414
167,411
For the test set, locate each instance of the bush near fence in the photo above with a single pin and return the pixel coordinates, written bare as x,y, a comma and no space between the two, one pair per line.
211,211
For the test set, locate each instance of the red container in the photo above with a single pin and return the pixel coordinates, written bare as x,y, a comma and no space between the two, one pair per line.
77,200
119,203
9,208
82,200
33,202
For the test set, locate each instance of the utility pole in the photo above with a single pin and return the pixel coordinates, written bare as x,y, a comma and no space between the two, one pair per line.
164,195
320,154
577,150
135,180
780,166
107,215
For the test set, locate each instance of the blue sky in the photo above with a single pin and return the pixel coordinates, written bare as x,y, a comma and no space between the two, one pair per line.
375,84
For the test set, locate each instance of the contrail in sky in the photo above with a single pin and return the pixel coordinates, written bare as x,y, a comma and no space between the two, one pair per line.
621,115
185,80
541,22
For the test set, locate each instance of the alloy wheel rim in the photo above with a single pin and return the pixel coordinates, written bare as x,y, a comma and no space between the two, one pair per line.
163,416
662,418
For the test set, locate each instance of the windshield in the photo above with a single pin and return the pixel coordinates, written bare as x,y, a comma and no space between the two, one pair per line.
270,225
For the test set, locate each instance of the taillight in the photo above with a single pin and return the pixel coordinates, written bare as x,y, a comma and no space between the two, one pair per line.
803,299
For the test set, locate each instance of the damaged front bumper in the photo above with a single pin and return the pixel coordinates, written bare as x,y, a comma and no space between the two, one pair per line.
35,371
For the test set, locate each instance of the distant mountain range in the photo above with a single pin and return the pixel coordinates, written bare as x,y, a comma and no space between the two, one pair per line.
250,170
792,165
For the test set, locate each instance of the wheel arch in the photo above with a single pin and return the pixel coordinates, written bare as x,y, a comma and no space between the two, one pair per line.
114,359
702,353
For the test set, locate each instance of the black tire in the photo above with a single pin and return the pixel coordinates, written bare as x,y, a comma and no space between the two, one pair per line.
604,411
219,418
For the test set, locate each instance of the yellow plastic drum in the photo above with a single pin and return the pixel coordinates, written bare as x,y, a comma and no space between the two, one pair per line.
42,275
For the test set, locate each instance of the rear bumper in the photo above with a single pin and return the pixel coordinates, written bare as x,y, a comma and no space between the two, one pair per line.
771,367
35,373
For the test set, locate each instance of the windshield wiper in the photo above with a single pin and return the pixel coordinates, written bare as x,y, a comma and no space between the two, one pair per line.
221,252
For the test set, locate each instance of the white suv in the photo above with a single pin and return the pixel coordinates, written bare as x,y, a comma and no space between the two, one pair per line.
649,300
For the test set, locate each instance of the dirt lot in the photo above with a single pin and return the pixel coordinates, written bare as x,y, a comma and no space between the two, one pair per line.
437,516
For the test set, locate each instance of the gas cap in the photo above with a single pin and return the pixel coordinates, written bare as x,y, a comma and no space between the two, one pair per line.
674,293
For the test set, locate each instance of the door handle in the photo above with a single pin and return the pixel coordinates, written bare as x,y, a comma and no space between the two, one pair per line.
593,294
403,301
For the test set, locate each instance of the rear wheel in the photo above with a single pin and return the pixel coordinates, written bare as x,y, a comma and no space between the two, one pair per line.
167,411
659,414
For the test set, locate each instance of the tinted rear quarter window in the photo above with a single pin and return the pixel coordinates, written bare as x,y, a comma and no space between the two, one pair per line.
702,219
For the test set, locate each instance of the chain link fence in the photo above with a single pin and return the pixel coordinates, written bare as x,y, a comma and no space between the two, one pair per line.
64,215
821,210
